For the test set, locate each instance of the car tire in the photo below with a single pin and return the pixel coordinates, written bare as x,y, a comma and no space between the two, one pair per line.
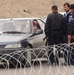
27,60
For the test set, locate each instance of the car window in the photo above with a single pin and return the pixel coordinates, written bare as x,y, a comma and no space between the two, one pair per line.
36,26
42,24
15,25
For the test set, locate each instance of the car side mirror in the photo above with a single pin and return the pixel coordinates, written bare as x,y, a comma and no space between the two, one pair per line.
39,31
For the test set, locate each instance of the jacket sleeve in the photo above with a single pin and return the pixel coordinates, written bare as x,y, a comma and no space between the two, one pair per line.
65,23
71,24
47,26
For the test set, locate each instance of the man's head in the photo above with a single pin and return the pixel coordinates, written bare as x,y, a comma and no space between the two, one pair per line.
66,7
35,23
72,8
54,8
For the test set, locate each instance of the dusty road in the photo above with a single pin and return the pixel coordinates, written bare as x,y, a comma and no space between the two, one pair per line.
29,8
39,69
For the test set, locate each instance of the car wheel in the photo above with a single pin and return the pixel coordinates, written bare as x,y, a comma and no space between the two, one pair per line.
27,58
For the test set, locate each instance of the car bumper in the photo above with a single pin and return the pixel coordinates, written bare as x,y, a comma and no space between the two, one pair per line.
12,55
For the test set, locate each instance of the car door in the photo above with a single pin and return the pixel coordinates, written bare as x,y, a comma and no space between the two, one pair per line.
37,40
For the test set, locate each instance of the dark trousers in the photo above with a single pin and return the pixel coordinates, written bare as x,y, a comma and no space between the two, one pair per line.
71,52
71,56
54,38
68,53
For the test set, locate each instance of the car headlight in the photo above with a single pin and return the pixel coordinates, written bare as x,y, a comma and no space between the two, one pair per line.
13,46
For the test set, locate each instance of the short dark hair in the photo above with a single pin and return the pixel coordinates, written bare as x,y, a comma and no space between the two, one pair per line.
72,6
54,7
67,4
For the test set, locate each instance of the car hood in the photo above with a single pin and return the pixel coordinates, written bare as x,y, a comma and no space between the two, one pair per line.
12,39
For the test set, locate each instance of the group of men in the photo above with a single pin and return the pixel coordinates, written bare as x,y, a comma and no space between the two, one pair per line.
60,28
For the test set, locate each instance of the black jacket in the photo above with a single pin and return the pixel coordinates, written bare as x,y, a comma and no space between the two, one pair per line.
71,24
54,22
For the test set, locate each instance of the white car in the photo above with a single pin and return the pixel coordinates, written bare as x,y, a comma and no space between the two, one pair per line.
18,33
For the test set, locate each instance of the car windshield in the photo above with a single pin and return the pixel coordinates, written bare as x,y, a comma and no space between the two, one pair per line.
15,26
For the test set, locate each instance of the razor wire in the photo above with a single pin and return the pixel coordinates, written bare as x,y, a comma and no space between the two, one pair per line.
36,60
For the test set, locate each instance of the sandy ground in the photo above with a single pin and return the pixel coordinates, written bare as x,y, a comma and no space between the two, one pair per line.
28,8
39,69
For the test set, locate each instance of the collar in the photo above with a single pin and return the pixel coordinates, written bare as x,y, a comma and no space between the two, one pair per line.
55,12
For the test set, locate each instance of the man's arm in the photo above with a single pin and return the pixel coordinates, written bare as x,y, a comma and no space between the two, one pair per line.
70,28
69,39
47,26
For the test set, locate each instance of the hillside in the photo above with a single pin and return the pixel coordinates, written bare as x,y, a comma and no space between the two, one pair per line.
28,8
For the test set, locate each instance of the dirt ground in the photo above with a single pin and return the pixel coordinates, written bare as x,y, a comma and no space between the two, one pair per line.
43,69
28,8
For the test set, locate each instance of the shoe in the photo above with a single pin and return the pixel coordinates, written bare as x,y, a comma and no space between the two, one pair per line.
65,64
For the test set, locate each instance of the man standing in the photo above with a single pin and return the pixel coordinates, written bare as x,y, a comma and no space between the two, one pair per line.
65,40
71,24
71,32
66,8
53,28
66,18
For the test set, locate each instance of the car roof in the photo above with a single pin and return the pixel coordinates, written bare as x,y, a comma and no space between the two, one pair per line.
7,19
62,13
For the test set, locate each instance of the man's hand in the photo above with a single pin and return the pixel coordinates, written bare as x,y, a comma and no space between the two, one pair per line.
46,41
47,38
69,39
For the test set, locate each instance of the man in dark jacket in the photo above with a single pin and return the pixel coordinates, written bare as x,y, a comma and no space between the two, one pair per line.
53,28
71,34
71,24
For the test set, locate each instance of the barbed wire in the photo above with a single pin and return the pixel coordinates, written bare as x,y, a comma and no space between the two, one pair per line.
33,59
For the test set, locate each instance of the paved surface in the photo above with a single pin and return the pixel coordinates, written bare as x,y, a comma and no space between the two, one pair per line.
39,69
